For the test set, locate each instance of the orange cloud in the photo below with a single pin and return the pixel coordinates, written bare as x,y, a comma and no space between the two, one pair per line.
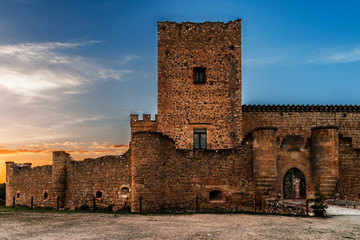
116,146
19,151
39,154
107,145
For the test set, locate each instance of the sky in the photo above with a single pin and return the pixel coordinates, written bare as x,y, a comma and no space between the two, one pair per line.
71,72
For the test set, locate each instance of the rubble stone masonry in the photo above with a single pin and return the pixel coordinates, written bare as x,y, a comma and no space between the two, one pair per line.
215,104
262,152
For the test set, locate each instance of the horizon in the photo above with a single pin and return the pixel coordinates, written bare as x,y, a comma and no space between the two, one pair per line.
72,73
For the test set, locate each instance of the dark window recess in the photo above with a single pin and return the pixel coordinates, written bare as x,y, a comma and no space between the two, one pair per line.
18,195
199,138
45,195
98,194
199,75
125,190
215,195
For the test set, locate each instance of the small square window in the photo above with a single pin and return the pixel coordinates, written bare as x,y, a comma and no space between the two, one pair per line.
199,138
199,75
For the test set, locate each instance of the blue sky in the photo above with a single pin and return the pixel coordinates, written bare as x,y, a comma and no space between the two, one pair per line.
71,72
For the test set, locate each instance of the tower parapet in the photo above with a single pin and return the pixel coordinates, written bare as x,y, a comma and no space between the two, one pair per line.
146,124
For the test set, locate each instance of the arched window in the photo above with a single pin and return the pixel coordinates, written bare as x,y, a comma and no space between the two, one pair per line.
125,190
45,195
215,195
18,195
98,194
294,184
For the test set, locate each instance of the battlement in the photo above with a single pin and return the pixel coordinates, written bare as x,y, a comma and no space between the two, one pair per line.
300,108
204,33
134,118
19,165
146,124
199,80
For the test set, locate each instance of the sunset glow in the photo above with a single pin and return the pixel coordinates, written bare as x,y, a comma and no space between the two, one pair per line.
41,154
72,72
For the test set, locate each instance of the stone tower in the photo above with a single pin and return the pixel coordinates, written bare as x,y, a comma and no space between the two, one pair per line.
199,84
59,175
325,158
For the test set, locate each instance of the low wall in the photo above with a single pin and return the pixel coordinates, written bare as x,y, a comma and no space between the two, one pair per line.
275,206
24,182
107,178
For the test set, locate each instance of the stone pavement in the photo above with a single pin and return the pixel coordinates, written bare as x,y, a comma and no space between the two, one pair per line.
341,211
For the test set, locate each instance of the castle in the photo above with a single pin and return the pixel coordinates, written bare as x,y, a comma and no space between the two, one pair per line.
205,150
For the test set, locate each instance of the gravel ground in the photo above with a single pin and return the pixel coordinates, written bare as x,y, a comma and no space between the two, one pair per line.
65,225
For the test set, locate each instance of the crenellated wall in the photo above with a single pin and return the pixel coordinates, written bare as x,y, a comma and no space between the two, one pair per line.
299,119
170,179
146,124
266,151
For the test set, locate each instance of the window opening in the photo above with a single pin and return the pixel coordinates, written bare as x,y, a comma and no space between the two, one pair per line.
98,194
125,190
45,195
199,75
199,138
18,195
215,195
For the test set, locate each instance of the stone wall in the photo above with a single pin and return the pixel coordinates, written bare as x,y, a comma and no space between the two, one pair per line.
171,179
325,158
215,104
108,175
299,119
276,206
24,182
348,187
265,160
146,124
75,183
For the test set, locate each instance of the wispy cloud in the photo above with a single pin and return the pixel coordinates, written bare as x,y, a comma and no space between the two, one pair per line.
41,70
343,55
263,61
79,148
75,121
128,58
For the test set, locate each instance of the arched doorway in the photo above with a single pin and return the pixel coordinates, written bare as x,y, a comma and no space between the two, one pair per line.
294,184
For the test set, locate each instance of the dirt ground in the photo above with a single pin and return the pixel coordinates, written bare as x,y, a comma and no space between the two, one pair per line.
65,225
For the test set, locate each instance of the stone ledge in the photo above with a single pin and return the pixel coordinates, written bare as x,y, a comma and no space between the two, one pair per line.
300,108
